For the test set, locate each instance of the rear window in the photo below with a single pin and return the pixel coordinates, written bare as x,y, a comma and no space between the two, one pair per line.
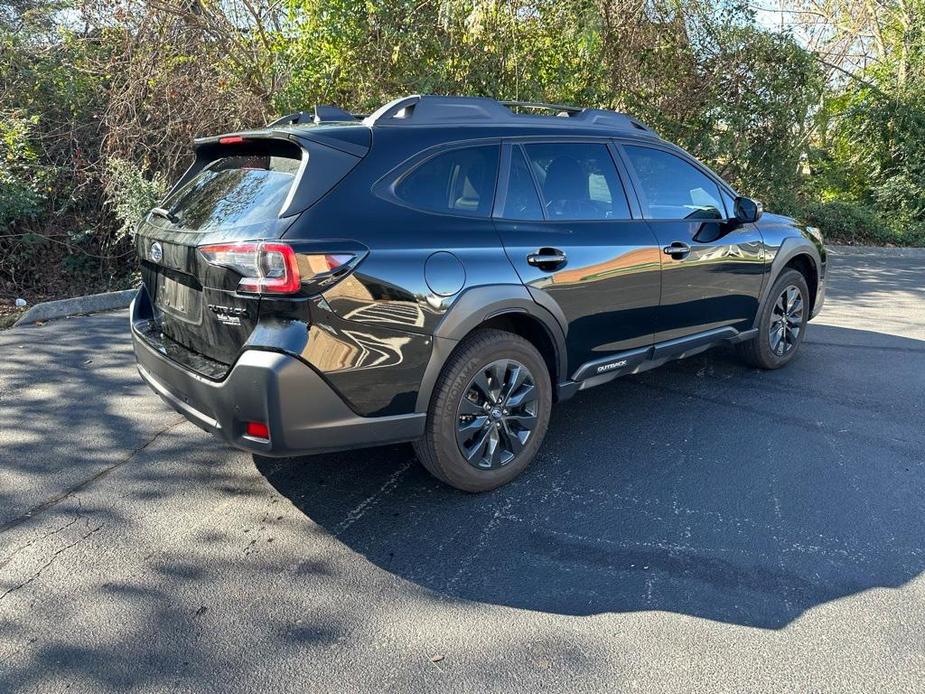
461,181
234,191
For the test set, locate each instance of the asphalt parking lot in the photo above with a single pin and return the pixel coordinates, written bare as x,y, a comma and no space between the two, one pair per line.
703,526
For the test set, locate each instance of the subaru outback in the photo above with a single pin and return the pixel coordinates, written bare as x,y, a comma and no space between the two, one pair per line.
445,269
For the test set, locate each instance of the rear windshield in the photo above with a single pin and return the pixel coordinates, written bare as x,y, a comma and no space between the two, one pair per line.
234,191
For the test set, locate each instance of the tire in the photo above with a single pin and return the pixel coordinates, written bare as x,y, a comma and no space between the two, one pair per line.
765,350
458,418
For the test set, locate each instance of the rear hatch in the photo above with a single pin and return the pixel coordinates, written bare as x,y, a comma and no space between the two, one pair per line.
247,187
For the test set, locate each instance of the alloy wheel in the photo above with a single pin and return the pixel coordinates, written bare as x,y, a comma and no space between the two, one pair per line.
497,414
786,321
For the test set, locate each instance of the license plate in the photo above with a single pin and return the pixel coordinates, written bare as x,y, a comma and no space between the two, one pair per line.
178,300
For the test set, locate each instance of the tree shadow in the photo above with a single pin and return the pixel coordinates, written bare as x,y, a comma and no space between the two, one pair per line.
69,408
871,279
703,488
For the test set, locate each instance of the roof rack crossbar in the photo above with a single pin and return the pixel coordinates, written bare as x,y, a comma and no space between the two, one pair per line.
439,110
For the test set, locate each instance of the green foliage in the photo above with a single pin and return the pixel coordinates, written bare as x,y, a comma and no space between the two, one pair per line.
22,177
846,222
131,192
871,147
765,89
852,223
99,101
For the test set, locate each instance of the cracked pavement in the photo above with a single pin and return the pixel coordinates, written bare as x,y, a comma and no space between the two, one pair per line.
701,526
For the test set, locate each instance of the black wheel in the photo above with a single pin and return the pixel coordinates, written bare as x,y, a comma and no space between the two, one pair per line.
488,414
782,324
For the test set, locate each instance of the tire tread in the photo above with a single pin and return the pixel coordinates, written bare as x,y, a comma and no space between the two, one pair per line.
756,352
472,348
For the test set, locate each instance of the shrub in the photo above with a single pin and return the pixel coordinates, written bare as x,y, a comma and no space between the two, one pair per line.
21,174
852,223
131,194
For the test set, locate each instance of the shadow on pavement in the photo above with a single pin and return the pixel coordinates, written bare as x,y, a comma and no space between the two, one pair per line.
69,409
702,488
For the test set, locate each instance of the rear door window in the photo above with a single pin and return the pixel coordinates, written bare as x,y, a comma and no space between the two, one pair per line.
672,188
578,181
234,191
461,181
521,200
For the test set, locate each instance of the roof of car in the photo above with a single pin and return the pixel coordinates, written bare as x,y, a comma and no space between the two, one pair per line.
423,110
330,124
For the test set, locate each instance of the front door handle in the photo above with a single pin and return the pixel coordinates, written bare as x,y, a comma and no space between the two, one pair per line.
547,259
677,250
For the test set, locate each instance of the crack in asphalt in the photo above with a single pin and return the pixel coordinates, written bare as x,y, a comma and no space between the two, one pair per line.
55,554
80,486
26,545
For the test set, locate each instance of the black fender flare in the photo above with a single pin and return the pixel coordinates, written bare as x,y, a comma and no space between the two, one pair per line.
473,308
788,250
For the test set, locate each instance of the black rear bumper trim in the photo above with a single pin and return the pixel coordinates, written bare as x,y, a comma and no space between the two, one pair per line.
303,413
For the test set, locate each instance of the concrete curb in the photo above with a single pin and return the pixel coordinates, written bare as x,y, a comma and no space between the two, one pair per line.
883,252
49,310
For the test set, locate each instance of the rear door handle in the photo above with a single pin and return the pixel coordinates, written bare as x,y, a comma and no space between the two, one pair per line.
677,250
547,258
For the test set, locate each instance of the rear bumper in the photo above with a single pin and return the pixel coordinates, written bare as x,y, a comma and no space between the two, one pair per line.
303,414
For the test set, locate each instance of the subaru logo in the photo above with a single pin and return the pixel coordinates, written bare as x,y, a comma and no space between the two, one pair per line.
157,253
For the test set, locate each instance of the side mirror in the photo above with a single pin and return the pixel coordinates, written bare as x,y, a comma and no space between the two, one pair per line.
748,210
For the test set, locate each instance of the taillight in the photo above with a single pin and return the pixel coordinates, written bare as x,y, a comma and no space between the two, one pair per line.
274,268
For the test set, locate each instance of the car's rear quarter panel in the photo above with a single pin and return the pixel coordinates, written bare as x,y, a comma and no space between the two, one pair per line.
370,336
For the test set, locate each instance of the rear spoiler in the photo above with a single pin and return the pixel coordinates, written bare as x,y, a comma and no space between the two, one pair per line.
332,158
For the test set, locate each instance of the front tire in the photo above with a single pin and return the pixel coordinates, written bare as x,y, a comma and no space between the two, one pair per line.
782,324
488,414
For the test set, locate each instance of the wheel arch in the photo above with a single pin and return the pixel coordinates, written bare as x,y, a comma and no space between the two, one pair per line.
505,307
803,263
796,253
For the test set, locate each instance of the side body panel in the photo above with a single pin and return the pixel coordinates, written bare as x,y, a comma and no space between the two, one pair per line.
716,280
717,284
607,289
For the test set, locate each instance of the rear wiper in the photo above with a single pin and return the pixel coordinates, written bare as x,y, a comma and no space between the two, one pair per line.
166,214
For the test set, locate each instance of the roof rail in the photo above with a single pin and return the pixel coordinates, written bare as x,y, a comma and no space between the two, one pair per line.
613,119
420,109
428,109
540,106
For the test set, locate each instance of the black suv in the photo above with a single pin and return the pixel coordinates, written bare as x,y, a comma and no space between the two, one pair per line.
442,271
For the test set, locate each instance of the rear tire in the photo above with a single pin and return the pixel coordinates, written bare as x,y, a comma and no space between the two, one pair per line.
781,325
488,414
